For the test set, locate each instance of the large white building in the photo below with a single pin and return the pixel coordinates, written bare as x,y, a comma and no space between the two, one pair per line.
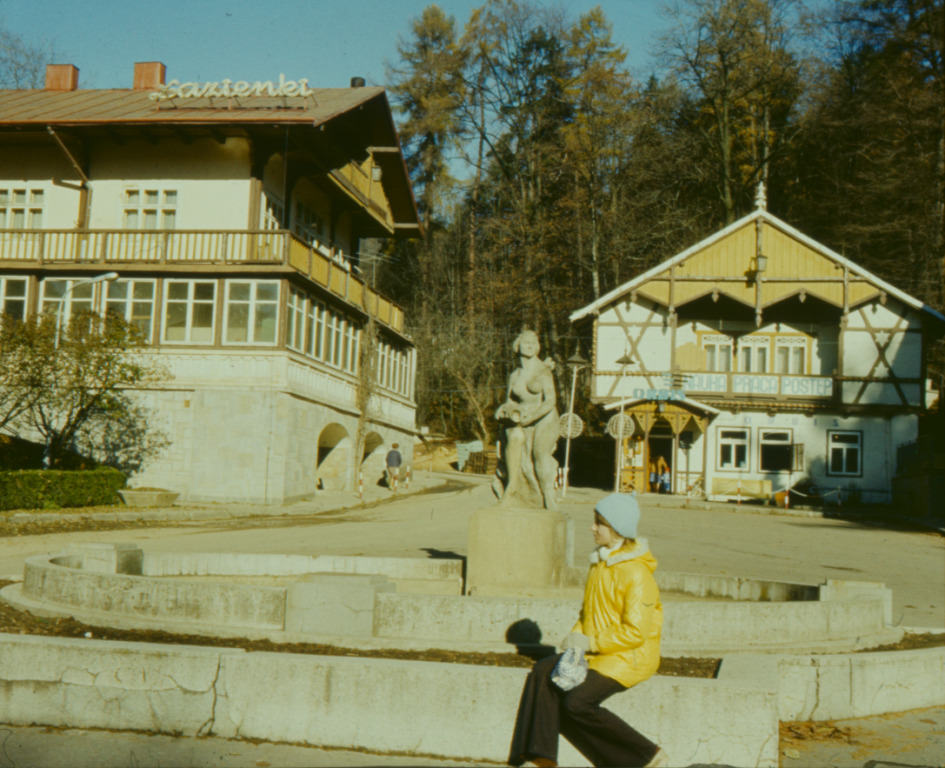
233,213
759,360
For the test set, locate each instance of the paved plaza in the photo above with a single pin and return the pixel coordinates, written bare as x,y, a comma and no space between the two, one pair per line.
431,520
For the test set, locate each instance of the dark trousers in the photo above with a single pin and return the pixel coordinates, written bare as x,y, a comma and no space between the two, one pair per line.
597,733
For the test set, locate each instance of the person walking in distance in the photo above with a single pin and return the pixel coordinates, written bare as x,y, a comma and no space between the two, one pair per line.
394,460
619,630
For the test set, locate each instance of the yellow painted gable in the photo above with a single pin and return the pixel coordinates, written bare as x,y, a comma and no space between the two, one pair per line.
792,267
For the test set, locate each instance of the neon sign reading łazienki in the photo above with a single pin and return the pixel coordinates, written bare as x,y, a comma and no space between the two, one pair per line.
228,88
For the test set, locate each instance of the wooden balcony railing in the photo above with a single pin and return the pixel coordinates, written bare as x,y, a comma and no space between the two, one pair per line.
173,248
369,191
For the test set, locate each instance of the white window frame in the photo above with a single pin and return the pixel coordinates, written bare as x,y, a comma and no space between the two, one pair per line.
190,303
350,357
717,350
345,343
253,305
78,299
795,347
766,438
7,298
150,208
296,314
133,301
22,207
844,447
315,333
754,350
734,443
399,372
328,348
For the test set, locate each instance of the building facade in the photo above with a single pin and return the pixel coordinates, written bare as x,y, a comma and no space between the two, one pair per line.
758,361
234,215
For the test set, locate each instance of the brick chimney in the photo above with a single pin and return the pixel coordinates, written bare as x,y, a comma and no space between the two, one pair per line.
62,77
149,75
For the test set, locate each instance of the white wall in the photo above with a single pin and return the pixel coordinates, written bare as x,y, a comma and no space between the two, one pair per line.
245,427
880,439
37,168
211,180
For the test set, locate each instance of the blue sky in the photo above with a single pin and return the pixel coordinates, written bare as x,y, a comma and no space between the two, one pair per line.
326,41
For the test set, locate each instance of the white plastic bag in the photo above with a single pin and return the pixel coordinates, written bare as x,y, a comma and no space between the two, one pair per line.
570,670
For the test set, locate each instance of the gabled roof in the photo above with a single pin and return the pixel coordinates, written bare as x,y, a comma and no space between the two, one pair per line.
731,248
24,107
27,115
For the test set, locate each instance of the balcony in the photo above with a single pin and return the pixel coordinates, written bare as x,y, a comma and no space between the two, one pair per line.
173,249
740,389
360,183
727,385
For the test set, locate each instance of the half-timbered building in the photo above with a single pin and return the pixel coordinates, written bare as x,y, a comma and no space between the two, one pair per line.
757,361
233,214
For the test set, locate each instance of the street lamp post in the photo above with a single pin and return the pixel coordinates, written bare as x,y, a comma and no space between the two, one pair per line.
576,362
623,361
106,278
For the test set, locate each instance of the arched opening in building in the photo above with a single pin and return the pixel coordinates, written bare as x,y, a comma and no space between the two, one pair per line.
334,458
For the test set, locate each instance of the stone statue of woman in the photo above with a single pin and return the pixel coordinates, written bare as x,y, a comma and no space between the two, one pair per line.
529,420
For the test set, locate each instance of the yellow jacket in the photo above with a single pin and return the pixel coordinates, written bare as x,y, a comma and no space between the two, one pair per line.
623,614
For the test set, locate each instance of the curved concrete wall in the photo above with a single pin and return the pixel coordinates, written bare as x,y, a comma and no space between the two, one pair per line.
855,616
212,603
735,588
453,710
697,627
843,685
430,576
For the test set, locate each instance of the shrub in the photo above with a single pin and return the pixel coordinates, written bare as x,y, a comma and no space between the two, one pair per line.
52,488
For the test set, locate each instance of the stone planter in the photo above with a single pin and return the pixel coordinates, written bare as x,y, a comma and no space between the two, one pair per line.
152,498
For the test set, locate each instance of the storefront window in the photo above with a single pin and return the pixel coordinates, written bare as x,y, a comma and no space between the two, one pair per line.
776,451
733,449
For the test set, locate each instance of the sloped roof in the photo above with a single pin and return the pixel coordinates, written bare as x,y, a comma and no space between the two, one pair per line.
24,113
38,106
792,256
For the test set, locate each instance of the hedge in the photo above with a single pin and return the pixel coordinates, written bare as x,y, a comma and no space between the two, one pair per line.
54,488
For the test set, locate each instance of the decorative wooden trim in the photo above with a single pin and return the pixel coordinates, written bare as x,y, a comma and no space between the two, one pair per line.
881,348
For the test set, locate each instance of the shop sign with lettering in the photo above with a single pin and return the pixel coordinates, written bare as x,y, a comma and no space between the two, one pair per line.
707,382
659,394
747,384
228,88
816,386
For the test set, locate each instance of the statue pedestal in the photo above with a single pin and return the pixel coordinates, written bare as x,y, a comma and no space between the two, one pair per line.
515,552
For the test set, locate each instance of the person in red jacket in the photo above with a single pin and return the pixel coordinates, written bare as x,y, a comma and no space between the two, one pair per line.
619,631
